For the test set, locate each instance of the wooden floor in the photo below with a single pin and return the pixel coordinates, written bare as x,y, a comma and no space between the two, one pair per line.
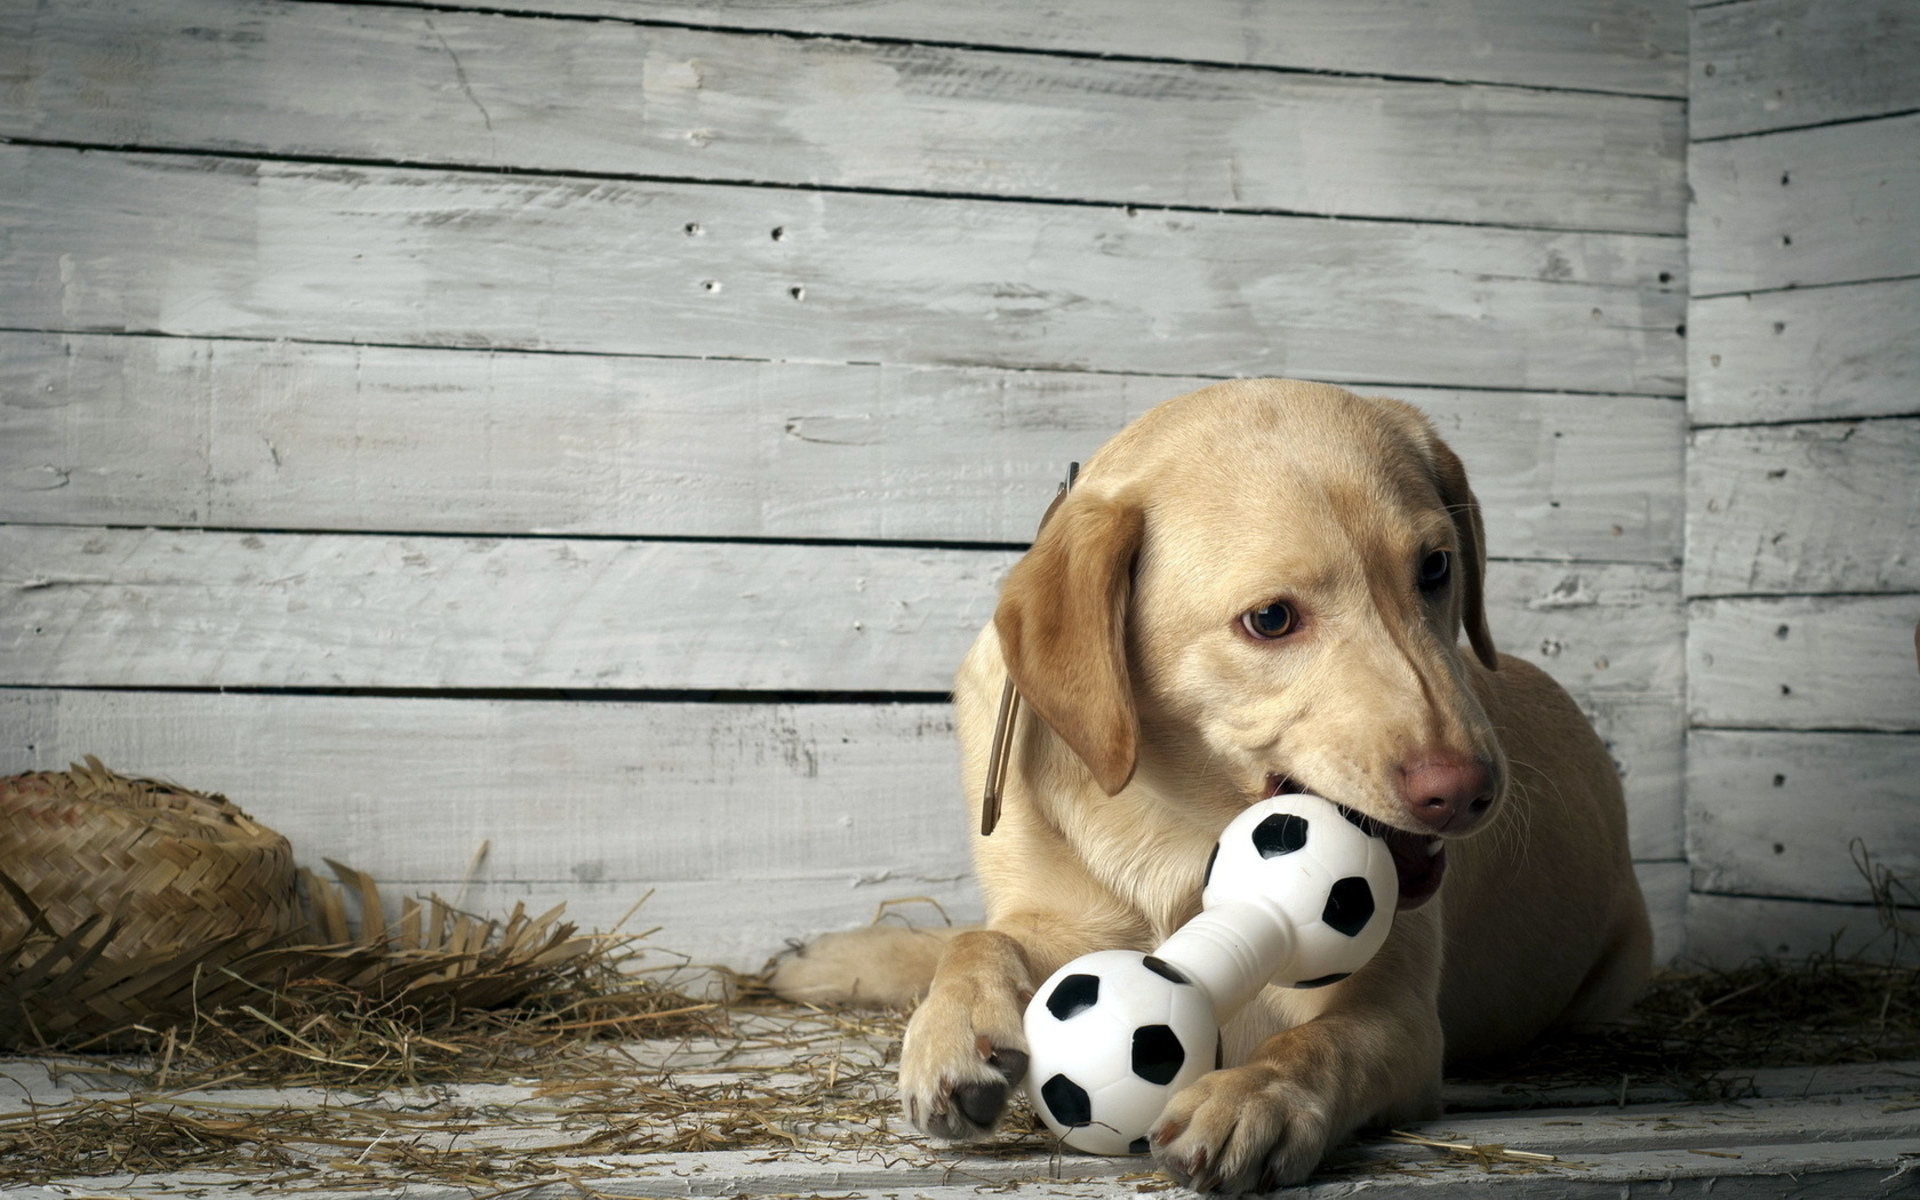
1826,1132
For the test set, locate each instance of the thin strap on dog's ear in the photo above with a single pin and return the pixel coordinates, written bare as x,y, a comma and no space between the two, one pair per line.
1002,748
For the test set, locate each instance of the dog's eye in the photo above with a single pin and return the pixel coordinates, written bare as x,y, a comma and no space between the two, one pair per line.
1434,570
1276,620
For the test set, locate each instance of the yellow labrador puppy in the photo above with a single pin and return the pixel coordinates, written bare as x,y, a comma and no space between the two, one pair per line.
1260,587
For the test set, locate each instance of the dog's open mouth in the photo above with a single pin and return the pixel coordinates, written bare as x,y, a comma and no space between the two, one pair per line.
1420,860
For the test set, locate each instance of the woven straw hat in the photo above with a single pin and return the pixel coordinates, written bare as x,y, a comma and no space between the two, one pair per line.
121,899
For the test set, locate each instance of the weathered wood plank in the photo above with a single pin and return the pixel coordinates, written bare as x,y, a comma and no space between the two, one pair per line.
1646,736
102,429
1663,885
1809,206
472,89
1774,64
1849,351
109,241
1777,814
750,823
1799,662
1603,45
1831,507
755,822
1725,931
1614,640
129,607
216,609
623,792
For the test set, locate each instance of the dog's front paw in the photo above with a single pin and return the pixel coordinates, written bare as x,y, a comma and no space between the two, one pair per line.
959,1064
1241,1130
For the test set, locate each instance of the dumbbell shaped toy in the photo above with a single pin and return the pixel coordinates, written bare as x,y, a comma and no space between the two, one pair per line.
1299,892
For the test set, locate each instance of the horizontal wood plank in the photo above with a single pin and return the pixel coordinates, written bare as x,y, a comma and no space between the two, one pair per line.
104,429
164,243
1778,814
132,608
749,823
1800,662
1775,64
1809,206
1603,45
129,607
1849,351
1829,507
1725,931
609,97
635,793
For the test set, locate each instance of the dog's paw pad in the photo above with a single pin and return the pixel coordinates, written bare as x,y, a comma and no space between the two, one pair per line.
981,1103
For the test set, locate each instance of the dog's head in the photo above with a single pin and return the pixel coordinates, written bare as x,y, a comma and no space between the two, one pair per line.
1265,582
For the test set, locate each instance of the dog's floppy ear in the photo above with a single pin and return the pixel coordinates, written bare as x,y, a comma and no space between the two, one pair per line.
1451,477
1062,623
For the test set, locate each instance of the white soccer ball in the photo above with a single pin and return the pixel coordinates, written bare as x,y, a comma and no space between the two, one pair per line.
1113,1035
1322,864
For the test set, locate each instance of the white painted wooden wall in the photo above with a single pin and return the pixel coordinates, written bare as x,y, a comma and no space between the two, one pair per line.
1803,467
598,426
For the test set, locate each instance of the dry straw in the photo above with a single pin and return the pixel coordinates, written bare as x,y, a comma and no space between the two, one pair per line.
131,906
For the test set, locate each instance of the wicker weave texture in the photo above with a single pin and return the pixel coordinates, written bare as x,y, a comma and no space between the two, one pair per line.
124,896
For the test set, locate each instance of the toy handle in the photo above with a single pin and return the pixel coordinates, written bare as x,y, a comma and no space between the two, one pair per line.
1231,951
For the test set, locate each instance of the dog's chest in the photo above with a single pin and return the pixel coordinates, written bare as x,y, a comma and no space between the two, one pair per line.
1156,864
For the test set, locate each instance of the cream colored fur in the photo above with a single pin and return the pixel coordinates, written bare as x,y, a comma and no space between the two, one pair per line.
1152,718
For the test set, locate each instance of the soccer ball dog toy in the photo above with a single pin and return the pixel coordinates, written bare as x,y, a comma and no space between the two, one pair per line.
1298,892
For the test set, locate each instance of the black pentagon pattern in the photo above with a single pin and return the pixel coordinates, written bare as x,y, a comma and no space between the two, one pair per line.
1362,822
1281,833
1207,879
1164,969
1067,1101
1349,906
1138,1146
1157,1054
1324,980
1074,995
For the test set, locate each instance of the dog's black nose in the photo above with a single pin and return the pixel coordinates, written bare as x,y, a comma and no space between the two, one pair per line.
1446,792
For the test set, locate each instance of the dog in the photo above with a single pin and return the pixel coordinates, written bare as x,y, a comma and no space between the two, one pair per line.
1259,588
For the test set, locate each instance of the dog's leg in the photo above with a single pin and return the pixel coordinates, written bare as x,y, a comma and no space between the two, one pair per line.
966,1049
881,966
1372,1053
